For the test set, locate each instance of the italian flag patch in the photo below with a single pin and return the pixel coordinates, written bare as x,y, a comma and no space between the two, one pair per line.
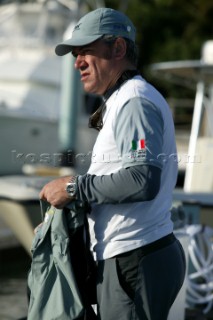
138,144
138,150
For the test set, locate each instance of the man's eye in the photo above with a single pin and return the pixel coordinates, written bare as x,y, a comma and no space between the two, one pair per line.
74,54
83,52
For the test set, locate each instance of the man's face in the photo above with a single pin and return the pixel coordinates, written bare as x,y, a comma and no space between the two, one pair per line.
96,65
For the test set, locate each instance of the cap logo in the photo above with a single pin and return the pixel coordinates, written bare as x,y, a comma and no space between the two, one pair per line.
77,27
129,28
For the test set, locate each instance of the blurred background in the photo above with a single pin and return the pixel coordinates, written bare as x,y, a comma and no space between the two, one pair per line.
44,126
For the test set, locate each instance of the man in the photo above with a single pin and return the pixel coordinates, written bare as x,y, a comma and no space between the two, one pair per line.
133,171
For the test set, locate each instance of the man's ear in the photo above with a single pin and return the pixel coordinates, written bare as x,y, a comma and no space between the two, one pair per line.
119,48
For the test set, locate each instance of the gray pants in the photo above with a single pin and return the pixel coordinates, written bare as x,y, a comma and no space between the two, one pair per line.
140,285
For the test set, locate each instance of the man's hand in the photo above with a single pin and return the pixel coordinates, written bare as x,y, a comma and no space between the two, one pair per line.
54,192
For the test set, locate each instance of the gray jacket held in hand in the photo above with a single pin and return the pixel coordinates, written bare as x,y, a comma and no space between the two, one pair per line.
54,294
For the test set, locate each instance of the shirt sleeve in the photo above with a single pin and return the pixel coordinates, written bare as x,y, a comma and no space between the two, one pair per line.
133,184
138,132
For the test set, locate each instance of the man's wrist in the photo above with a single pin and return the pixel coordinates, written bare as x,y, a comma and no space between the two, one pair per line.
72,187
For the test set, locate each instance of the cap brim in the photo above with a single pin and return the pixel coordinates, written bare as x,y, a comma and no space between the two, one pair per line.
67,46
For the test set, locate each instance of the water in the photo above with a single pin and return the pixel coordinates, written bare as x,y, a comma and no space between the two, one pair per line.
14,266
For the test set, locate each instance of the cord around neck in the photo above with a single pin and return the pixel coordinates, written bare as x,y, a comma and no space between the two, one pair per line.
96,119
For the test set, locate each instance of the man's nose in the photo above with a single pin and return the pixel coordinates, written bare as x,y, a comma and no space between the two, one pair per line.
79,61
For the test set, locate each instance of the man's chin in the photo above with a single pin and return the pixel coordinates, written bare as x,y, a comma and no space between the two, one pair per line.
91,90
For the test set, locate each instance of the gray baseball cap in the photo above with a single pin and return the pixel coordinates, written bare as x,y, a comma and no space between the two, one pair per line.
95,24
